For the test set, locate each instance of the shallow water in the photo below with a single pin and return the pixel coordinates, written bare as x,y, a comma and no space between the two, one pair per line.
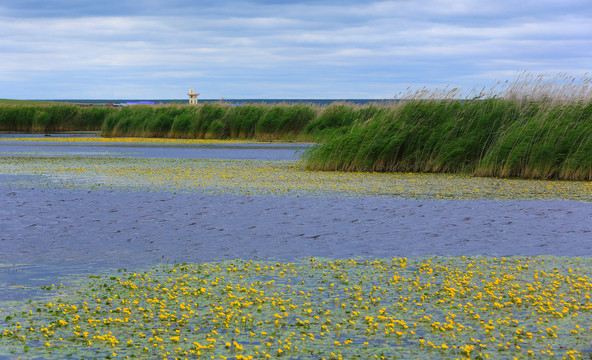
50,234
238,151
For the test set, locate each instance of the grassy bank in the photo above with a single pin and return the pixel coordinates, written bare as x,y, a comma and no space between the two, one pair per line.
40,118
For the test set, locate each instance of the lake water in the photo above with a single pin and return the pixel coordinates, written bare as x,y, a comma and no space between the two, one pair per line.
237,151
49,233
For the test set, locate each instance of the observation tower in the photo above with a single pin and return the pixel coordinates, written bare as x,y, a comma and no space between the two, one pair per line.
192,97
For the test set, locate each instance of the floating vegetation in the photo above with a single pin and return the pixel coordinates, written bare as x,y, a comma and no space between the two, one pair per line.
257,177
439,307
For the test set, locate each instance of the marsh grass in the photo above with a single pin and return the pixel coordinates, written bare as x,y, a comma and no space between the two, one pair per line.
212,121
26,102
284,121
532,128
49,117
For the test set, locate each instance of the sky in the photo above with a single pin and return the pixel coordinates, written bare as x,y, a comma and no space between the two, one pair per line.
279,49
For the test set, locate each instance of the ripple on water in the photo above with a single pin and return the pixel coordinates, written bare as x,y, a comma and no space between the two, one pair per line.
65,230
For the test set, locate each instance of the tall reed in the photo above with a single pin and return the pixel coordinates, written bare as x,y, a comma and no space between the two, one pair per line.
532,128
53,117
212,121
535,127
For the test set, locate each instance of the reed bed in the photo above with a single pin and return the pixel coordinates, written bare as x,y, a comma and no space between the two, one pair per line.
215,121
264,122
532,128
39,118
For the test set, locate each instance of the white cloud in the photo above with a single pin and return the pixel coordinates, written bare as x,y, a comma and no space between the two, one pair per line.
318,44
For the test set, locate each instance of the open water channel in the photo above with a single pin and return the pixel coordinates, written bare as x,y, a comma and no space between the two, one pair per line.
50,234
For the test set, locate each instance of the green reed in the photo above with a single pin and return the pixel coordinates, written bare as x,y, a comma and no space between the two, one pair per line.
494,137
213,121
38,118
533,127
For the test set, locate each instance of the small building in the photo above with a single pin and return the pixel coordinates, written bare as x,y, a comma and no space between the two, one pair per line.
192,97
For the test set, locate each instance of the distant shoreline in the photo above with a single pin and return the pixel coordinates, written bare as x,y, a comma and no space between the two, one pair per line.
225,101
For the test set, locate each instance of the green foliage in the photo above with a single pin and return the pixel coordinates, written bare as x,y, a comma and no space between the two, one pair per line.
281,120
334,116
51,117
552,142
133,121
242,120
208,114
500,136
162,121
26,102
185,124
211,121
298,116
494,137
399,308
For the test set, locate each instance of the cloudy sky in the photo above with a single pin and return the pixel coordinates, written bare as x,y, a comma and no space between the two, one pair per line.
274,49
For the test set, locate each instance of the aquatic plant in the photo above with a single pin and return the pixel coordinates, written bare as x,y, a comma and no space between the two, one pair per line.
534,130
242,120
338,117
429,308
249,177
39,118
185,124
534,127
282,121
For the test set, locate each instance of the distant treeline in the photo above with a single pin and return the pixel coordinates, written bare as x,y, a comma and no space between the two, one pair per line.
494,137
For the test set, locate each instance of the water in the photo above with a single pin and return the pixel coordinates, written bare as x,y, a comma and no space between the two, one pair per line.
206,151
236,151
49,234
76,134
